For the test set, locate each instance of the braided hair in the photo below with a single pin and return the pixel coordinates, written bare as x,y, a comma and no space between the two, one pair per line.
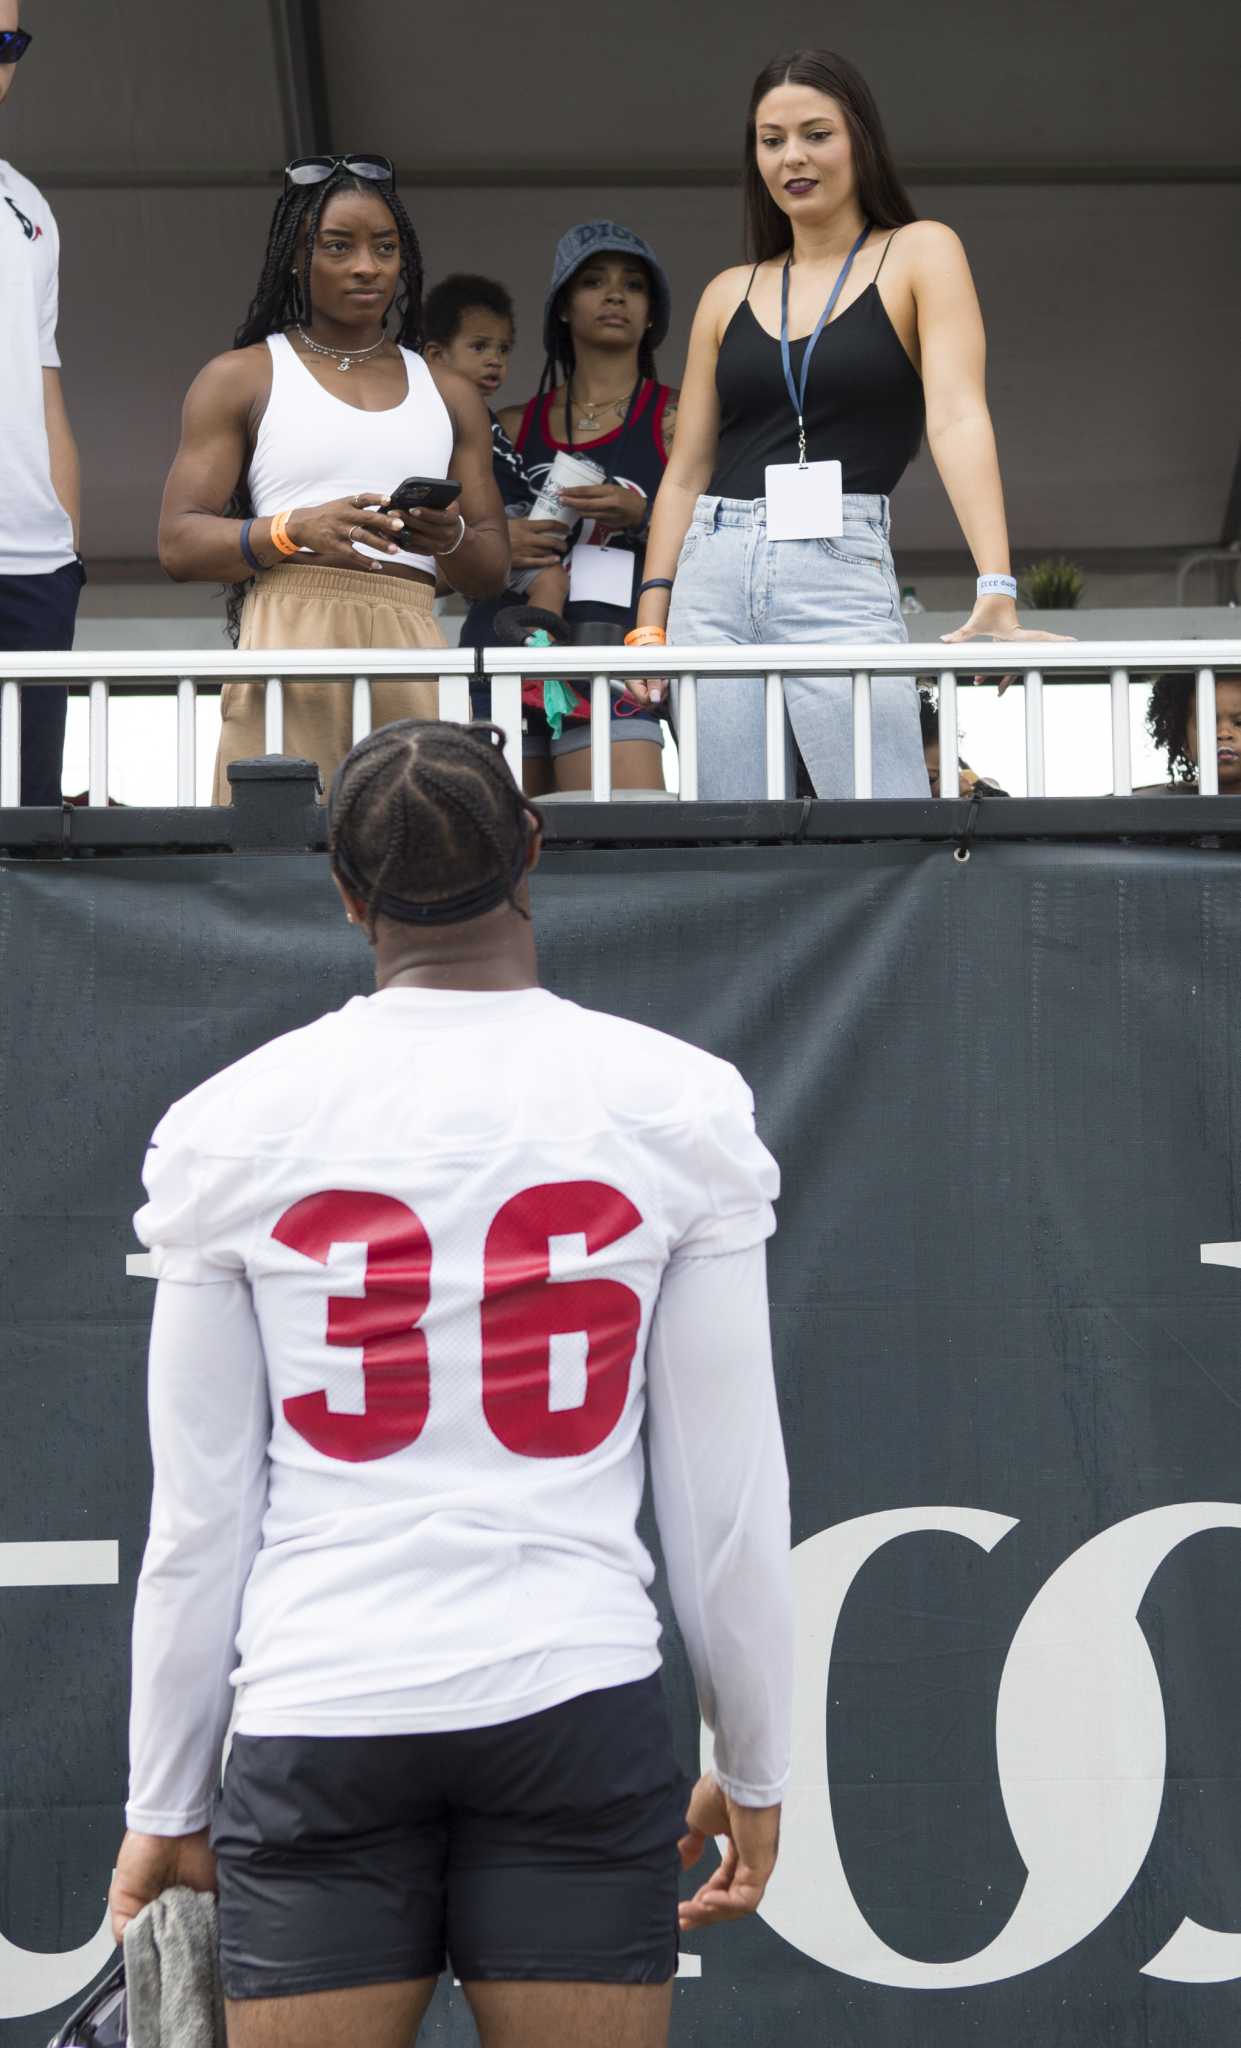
283,297
426,811
561,361
1167,722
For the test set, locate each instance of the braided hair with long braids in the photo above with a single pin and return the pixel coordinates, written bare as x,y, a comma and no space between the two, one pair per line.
283,297
426,811
1167,722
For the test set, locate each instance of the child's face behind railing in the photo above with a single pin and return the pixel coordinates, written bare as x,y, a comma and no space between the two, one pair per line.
1227,733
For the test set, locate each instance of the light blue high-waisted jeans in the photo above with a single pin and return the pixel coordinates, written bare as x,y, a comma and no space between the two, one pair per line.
733,584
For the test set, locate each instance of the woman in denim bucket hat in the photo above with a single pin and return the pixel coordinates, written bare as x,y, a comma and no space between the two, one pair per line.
809,382
606,312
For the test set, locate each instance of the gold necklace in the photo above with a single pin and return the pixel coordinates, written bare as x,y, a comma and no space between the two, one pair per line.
595,410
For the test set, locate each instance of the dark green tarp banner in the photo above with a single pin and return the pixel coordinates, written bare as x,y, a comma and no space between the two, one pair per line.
1006,1098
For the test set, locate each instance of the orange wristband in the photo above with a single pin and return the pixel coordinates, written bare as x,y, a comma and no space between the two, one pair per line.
279,537
646,636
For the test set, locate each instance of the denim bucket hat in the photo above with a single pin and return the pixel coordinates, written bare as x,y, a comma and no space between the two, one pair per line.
605,238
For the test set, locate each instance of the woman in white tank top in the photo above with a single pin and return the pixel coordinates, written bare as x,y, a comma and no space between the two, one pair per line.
291,444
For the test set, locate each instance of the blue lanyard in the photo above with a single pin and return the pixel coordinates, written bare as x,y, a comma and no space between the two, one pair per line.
799,398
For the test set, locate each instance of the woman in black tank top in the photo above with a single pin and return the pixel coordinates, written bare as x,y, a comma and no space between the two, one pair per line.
884,338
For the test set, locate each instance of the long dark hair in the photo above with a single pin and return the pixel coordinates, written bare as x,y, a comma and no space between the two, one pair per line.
882,197
282,297
561,360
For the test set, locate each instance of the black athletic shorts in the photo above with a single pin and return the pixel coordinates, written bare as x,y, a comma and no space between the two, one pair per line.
541,1848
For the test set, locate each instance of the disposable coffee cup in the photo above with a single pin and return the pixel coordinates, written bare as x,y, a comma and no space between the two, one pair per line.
567,473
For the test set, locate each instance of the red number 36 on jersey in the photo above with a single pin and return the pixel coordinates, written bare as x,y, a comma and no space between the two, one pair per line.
522,1309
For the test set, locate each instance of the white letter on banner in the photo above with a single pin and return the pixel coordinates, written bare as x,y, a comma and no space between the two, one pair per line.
29,1980
1196,1954
1080,1742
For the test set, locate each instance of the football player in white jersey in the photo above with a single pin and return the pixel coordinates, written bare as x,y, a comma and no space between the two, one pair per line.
424,1266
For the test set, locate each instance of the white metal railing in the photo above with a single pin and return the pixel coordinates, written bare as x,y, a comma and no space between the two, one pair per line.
1109,663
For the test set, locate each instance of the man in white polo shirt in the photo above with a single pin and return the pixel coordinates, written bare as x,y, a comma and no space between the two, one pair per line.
40,574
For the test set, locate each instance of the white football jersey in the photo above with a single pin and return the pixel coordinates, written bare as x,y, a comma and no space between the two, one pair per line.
452,1213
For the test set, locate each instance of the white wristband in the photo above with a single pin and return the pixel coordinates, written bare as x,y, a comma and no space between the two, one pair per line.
997,586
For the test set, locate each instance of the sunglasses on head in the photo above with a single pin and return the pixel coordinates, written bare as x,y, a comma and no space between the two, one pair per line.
14,43
316,170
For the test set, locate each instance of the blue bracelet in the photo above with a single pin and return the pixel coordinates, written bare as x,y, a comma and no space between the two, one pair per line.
655,583
247,550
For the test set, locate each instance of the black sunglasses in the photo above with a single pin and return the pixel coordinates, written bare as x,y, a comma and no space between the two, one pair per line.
14,43
316,170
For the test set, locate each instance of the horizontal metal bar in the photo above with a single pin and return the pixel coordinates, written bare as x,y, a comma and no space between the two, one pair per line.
1080,659
1077,659
572,177
1064,819
1224,554
326,664
572,824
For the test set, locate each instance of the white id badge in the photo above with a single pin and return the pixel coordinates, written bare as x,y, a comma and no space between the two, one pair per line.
602,575
805,503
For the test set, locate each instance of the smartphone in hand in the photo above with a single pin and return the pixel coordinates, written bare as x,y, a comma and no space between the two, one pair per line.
425,493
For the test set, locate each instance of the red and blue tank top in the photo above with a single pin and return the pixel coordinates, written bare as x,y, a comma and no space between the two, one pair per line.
632,453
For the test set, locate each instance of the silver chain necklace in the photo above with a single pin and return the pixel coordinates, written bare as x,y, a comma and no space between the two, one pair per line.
345,357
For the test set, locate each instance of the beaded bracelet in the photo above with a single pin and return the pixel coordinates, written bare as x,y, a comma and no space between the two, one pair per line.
279,536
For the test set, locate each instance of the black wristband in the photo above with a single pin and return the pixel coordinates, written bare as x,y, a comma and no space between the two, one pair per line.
655,583
247,551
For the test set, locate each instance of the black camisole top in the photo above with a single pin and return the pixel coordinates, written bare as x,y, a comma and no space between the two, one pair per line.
864,402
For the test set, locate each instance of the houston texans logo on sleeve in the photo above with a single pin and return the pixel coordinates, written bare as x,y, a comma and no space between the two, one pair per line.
30,228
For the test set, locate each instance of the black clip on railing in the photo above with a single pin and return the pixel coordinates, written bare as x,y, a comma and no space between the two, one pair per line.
275,803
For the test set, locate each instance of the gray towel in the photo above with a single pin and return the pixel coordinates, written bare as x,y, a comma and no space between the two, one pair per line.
172,1972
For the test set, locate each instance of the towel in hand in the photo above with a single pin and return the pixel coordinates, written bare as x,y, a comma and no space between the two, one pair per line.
172,1970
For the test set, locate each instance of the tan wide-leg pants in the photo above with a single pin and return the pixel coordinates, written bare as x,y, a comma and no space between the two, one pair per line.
294,607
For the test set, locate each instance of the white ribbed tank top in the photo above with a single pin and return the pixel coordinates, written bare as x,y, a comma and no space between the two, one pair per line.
312,447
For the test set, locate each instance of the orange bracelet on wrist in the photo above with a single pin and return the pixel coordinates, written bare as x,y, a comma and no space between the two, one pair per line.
647,636
279,535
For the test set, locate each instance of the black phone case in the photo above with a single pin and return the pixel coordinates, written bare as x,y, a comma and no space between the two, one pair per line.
423,492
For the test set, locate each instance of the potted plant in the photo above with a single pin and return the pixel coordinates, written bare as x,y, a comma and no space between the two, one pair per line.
1051,586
